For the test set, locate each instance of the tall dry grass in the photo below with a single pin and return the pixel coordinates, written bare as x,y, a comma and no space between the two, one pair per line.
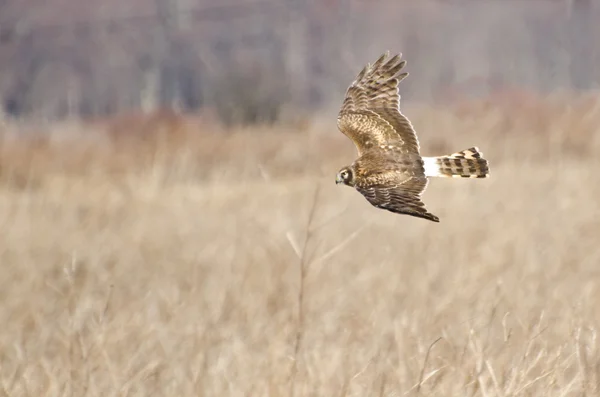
171,257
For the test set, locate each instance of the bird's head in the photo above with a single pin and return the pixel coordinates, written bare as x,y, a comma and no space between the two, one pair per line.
345,176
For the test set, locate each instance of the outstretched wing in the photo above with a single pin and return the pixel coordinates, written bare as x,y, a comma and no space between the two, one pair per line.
370,115
402,196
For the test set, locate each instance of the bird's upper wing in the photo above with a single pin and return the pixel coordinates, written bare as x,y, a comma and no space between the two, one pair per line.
370,115
401,195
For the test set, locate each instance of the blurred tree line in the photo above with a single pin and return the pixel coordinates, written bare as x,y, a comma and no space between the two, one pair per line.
248,59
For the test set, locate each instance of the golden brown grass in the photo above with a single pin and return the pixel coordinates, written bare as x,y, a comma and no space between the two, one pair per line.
187,264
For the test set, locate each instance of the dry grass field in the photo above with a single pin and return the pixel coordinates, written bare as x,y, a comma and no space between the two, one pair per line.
163,256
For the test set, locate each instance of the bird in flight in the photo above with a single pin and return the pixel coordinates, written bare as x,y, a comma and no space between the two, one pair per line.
390,171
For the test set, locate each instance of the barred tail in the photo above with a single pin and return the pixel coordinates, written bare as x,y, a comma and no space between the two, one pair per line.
468,163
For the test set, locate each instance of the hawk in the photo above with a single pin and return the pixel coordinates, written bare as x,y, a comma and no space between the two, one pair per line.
390,171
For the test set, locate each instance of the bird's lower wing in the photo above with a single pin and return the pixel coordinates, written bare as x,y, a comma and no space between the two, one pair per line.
401,199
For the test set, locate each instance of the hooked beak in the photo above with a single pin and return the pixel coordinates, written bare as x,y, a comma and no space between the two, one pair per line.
338,179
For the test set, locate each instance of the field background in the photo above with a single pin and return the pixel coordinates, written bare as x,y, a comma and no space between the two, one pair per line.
147,251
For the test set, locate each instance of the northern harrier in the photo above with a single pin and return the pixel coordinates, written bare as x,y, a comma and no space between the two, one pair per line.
390,171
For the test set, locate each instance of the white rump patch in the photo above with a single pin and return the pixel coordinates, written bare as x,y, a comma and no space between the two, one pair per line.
431,165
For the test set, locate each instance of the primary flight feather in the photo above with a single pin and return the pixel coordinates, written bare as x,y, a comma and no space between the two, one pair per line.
390,171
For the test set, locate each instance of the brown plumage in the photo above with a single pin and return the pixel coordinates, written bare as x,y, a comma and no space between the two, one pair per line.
390,171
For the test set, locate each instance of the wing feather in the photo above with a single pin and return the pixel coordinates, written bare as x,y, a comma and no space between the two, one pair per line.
402,197
370,114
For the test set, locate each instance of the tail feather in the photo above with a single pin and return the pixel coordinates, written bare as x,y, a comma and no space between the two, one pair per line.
468,163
